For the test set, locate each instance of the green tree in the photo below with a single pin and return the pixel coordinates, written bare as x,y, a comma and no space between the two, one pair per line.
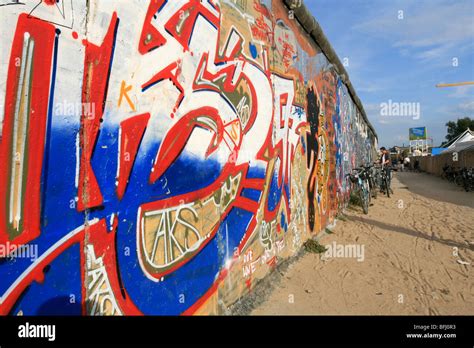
457,128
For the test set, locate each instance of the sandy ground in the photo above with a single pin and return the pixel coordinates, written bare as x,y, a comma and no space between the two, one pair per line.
416,246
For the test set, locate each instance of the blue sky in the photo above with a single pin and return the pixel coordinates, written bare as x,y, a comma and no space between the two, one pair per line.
401,56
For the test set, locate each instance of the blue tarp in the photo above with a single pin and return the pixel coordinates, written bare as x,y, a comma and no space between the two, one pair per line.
437,150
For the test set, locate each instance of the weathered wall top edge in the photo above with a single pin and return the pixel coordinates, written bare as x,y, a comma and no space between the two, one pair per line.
312,27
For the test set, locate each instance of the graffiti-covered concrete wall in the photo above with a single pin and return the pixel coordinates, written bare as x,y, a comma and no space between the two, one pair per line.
160,157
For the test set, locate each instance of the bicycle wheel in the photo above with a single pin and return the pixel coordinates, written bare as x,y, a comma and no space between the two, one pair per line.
364,198
373,188
386,187
458,180
367,188
465,184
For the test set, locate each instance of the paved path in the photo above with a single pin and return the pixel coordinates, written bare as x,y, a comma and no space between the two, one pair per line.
434,187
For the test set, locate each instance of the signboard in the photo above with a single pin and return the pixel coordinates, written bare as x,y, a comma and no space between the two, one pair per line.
418,133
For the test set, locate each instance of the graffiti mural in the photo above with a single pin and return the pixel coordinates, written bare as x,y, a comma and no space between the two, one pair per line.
162,157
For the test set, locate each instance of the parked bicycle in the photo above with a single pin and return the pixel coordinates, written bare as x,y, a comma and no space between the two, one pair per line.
469,180
460,176
465,178
385,181
360,182
372,177
449,173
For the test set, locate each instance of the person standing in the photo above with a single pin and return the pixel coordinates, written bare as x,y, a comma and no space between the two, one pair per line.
384,157
386,164
406,162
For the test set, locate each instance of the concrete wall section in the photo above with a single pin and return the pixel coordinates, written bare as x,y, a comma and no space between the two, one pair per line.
161,157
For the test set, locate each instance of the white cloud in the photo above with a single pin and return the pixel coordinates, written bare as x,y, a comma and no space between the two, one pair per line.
428,30
467,107
368,87
461,91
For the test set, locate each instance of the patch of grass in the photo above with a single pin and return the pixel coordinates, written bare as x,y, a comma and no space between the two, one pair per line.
354,199
313,246
341,217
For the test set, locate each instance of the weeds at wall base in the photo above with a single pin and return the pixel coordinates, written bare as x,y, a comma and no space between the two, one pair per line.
313,246
354,200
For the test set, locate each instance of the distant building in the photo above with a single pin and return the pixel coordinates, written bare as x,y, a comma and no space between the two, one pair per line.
464,141
466,136
399,150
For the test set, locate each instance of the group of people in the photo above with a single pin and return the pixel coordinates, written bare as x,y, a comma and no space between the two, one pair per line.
406,164
403,162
